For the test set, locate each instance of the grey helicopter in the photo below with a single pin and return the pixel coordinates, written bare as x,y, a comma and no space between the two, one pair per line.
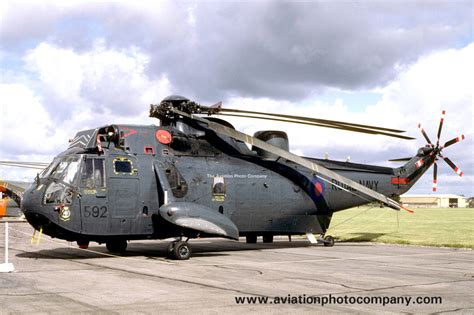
196,176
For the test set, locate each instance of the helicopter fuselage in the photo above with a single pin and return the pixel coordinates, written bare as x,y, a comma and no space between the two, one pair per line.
126,182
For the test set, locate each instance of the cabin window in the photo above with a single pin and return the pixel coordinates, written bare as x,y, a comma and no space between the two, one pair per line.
93,173
123,166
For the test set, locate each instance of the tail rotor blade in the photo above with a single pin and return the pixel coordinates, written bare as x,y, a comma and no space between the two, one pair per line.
424,134
443,114
454,167
453,141
435,175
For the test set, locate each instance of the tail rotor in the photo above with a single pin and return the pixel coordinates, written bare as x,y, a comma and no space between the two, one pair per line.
433,152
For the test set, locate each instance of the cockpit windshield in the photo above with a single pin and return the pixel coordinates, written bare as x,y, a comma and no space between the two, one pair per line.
65,169
64,172
45,173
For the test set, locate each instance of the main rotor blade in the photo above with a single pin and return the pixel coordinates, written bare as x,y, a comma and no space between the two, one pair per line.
424,134
309,119
33,165
454,167
340,127
435,175
443,114
453,141
223,130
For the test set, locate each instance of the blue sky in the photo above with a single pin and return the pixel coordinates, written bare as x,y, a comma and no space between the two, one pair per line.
72,65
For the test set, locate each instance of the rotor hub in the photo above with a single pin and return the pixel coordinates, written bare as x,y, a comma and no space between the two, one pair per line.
163,111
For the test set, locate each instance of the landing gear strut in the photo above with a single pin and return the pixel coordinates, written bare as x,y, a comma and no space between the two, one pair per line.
179,250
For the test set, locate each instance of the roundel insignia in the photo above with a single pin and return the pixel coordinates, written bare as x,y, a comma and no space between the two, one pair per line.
163,136
318,187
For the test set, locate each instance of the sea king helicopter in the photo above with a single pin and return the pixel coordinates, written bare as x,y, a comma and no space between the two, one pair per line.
196,176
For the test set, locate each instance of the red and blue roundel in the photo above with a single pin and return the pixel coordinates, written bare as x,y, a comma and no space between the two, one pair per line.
317,189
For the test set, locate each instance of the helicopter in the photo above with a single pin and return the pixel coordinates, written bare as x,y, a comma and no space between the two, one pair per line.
196,176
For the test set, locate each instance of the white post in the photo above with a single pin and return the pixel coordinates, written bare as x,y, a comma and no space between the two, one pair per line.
6,267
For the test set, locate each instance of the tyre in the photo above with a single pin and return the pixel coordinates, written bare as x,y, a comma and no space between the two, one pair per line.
329,241
181,251
267,238
251,239
116,246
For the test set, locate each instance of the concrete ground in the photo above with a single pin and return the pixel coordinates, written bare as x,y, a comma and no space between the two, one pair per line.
57,277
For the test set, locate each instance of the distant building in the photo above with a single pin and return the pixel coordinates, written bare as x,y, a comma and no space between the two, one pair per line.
434,201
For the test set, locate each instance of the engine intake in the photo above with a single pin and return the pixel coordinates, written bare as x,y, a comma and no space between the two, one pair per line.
276,138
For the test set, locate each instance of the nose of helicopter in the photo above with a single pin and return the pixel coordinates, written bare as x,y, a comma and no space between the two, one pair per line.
32,206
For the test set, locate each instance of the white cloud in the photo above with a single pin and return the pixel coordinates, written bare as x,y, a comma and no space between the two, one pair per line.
26,132
101,80
25,122
69,92
59,70
440,81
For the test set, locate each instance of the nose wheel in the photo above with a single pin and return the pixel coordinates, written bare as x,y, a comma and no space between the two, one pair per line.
328,241
179,250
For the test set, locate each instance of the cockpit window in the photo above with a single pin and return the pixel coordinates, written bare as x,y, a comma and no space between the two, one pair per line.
93,173
47,171
64,172
64,169
71,172
123,166
59,170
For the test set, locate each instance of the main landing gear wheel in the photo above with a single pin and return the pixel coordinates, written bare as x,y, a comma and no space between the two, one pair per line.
116,246
267,238
328,241
179,250
251,239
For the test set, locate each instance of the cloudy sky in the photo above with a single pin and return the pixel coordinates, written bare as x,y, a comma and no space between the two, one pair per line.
72,65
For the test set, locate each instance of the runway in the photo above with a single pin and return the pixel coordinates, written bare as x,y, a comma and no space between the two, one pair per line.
233,277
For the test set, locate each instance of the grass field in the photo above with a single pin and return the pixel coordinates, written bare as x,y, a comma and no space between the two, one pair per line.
452,227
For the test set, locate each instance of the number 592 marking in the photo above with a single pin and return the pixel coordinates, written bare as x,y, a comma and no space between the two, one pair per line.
95,211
